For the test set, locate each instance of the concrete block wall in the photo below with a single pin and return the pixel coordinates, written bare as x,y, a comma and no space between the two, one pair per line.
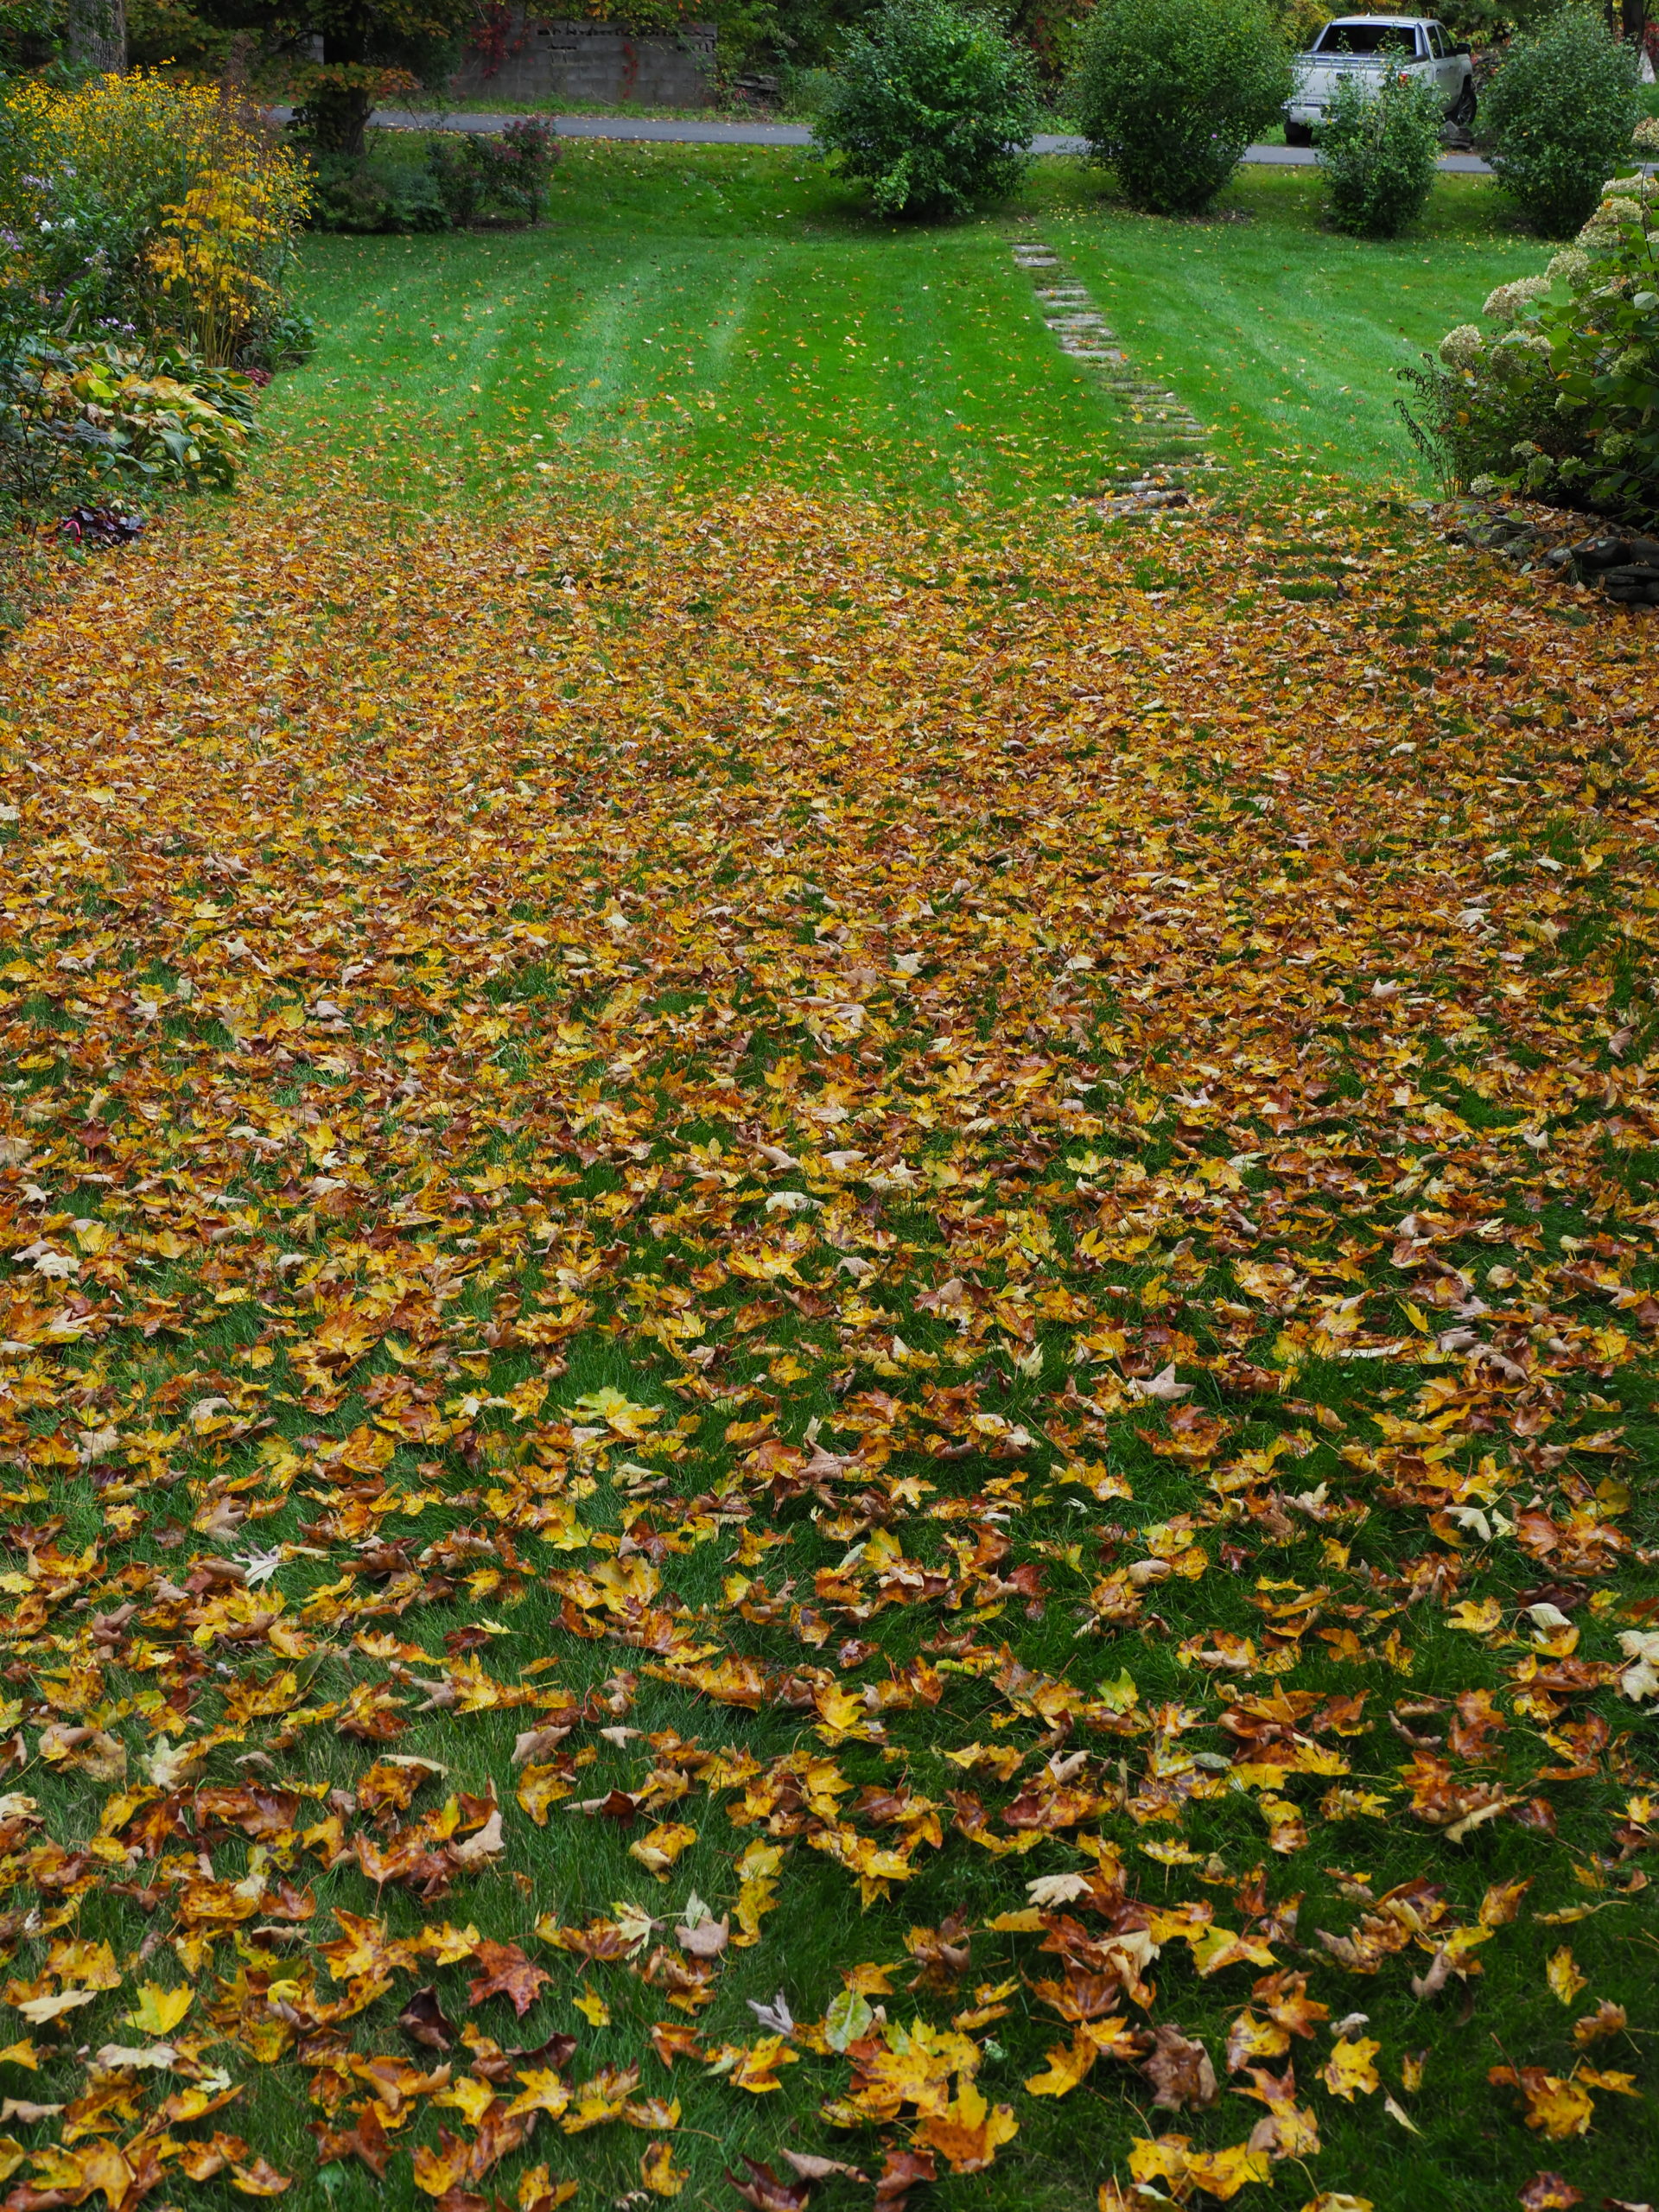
549,60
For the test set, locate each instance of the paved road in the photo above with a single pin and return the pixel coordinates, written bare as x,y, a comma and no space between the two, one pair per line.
793,134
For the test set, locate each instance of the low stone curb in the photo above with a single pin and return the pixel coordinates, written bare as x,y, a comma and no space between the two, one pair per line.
644,129
1622,565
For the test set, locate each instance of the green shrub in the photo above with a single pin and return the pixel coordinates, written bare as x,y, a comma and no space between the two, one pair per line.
1563,405
1557,117
460,178
932,109
1377,151
479,174
378,191
1171,92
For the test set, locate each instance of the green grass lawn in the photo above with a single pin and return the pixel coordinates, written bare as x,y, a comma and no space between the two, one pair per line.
689,316
1281,333
636,824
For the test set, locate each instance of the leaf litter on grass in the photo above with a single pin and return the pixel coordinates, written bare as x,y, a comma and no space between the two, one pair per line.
830,1323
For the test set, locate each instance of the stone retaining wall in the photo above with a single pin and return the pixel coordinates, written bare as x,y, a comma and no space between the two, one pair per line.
549,59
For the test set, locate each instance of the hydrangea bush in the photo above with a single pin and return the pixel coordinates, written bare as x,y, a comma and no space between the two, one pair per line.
1557,116
1560,401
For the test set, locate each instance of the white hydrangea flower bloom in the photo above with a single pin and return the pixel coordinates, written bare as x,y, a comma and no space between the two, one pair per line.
1570,266
1462,347
1509,302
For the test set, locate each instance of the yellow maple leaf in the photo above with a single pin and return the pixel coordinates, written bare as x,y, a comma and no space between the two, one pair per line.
618,1414
539,2192
756,2068
468,2095
159,2010
1558,2109
542,1786
1350,2068
1476,1615
544,2090
1560,1971
660,1846
1223,2173
1067,2065
967,2132
659,2173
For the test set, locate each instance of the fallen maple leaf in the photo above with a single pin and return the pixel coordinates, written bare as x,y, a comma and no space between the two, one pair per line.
505,1972
1221,2173
1561,1972
1607,2020
1550,2192
1180,2071
423,2021
1351,2069
659,2172
1558,2109
767,2190
366,2138
812,2167
967,2132
707,1940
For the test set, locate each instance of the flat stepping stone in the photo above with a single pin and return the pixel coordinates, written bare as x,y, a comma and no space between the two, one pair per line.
1154,420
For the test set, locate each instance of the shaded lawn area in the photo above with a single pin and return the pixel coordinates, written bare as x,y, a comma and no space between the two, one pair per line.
704,315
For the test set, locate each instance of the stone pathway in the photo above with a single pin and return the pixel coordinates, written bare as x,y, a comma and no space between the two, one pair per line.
1165,440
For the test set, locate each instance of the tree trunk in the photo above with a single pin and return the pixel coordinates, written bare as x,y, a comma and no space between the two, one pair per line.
1633,20
334,116
96,31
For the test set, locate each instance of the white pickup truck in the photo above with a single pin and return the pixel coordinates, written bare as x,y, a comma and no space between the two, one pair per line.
1364,47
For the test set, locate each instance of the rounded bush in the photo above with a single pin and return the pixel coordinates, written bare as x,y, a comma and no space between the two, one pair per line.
932,109
1558,118
1171,92
1377,151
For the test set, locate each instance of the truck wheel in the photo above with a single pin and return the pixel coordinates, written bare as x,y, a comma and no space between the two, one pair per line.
1464,111
1299,134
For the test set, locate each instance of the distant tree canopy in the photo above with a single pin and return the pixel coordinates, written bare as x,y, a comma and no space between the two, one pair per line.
426,38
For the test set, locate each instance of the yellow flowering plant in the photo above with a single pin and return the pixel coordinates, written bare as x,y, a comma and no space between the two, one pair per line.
149,207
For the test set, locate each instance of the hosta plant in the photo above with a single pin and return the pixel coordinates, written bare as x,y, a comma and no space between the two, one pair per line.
74,413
